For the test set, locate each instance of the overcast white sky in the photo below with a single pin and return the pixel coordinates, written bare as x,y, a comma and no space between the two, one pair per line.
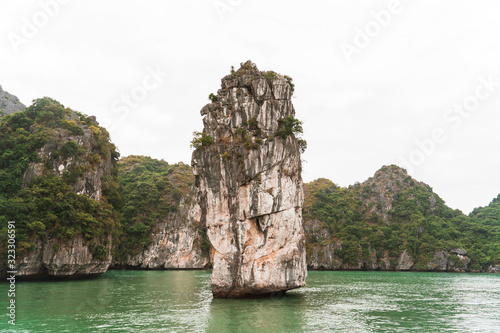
372,78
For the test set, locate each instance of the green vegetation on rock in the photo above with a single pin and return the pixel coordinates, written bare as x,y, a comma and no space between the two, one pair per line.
47,206
152,192
291,125
201,140
481,234
212,97
391,213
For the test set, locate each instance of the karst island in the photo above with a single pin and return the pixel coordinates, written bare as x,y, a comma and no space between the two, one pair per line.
247,169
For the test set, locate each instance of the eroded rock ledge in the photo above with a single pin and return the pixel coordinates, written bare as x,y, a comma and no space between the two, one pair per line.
250,191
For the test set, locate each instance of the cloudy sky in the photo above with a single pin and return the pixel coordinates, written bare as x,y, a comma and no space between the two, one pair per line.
407,82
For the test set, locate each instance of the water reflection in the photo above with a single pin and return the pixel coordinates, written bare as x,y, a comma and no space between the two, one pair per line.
272,314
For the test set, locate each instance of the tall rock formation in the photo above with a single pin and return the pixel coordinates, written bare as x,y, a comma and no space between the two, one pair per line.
248,175
9,103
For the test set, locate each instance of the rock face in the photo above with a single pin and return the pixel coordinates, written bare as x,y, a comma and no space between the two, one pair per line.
455,261
384,187
159,231
9,103
176,244
76,241
250,190
98,168
387,214
405,262
494,269
73,259
325,258
171,249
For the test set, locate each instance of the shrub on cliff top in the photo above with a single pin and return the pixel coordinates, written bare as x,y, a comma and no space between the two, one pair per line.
247,67
270,75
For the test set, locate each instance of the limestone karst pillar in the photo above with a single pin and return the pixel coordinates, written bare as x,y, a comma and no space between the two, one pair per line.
248,176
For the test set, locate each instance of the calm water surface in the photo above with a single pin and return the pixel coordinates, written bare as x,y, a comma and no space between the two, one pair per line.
180,301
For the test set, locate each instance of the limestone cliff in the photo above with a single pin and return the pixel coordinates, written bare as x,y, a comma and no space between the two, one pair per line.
392,222
158,215
175,244
74,154
9,103
250,192
60,191
53,258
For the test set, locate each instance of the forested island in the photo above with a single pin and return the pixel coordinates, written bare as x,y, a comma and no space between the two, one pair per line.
80,209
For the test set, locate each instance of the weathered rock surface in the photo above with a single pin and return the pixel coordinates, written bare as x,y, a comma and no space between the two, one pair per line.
90,183
250,188
176,244
325,258
72,259
171,249
455,261
385,186
405,261
494,269
78,151
9,103
159,231
377,201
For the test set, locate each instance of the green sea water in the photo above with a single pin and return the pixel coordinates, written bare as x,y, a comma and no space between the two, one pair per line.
181,301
